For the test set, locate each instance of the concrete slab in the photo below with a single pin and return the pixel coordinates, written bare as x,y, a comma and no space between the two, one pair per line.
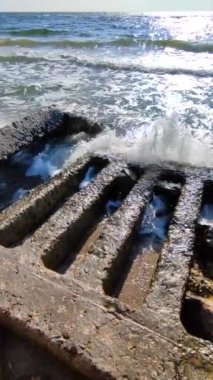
78,301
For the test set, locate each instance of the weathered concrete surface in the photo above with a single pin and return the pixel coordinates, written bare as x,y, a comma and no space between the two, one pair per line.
109,253
74,318
72,220
27,144
27,214
21,359
137,283
41,125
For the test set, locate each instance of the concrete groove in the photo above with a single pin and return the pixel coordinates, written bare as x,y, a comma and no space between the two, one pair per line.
114,312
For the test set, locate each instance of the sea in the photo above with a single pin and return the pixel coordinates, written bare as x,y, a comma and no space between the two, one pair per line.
148,78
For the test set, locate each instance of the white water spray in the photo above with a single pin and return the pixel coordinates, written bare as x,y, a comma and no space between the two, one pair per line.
165,141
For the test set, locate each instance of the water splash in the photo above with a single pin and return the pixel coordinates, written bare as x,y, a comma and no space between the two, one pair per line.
165,141
155,222
207,214
49,162
88,178
111,206
19,194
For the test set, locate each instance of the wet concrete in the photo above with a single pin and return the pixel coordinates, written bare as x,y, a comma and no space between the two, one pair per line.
64,248
34,149
136,276
197,312
39,127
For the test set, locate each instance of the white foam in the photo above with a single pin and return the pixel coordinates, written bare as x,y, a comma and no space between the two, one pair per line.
154,224
49,162
206,216
89,176
19,194
165,141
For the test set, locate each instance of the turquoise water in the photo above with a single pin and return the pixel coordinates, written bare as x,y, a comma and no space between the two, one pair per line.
127,71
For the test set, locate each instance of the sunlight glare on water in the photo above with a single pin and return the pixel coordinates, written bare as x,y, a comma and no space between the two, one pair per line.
130,72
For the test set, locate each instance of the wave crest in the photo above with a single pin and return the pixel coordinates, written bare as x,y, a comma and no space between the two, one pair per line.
129,65
112,64
20,59
166,141
190,46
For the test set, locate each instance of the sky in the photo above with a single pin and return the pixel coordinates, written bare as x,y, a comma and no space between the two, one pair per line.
104,5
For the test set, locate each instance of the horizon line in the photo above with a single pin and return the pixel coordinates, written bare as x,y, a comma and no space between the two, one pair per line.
130,12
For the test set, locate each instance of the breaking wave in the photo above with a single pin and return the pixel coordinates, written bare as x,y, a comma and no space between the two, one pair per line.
164,142
195,47
117,65
190,46
23,90
129,65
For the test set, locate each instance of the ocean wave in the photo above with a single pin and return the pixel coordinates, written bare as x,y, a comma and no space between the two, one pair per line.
20,59
166,141
190,46
4,42
57,43
131,66
195,47
36,32
23,90
111,64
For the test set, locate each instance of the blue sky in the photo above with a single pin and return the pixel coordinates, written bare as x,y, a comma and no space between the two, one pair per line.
105,5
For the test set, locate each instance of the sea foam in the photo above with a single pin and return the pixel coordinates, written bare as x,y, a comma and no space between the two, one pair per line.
165,141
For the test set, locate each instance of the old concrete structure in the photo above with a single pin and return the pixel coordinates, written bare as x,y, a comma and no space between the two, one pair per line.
80,298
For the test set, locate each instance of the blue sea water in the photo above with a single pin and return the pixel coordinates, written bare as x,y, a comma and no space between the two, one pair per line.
127,71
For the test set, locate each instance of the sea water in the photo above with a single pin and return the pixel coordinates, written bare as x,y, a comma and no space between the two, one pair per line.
147,77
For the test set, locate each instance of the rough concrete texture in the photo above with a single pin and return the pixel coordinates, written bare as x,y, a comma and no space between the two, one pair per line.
28,213
60,309
21,359
41,125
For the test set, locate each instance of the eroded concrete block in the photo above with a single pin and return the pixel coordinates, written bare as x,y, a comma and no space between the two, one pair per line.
111,279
